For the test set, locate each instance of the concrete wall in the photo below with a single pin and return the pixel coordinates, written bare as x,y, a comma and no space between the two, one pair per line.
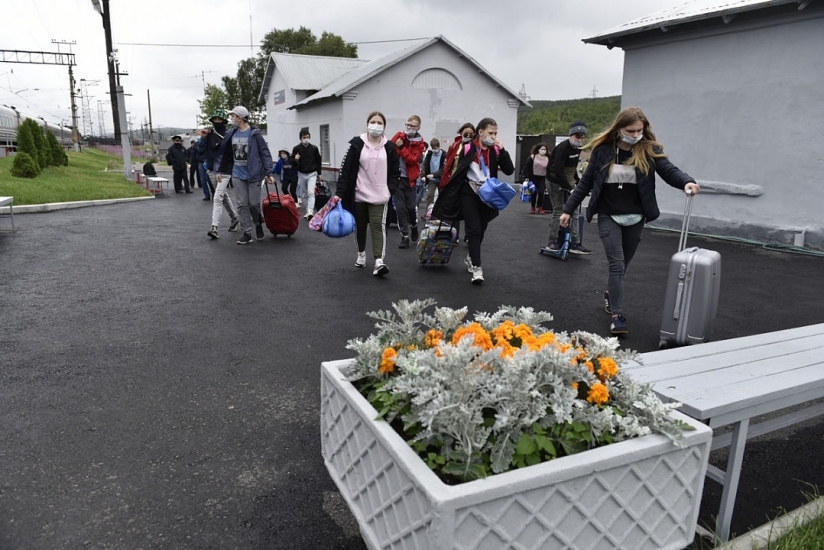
442,111
740,112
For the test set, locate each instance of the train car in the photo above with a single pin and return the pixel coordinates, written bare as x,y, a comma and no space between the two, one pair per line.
10,119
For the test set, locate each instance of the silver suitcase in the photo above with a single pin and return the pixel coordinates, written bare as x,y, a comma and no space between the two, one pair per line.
691,301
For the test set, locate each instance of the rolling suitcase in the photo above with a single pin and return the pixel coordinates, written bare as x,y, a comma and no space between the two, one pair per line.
280,213
436,243
691,301
322,194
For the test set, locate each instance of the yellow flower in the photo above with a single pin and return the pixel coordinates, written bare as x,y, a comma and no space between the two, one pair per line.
598,394
607,367
387,364
482,339
432,338
411,347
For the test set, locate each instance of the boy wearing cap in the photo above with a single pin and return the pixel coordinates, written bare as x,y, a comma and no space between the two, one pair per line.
176,157
563,176
220,198
309,165
245,156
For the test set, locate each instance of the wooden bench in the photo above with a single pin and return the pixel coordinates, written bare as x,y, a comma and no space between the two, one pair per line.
733,381
154,184
9,201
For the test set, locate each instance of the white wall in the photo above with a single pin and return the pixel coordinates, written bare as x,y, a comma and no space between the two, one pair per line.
745,109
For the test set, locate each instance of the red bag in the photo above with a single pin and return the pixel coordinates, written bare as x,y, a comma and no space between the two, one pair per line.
280,213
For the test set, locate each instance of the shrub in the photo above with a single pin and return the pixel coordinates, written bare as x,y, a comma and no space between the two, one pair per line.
43,153
25,140
24,166
56,153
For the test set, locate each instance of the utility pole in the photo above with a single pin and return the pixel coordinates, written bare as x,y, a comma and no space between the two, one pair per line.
102,7
151,131
75,131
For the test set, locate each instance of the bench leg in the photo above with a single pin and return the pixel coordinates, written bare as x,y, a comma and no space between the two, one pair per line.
736,458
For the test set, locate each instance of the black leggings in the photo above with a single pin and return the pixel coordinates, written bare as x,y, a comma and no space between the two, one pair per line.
290,188
537,198
476,217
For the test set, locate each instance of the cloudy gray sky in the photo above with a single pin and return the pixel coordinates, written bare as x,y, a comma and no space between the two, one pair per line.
536,43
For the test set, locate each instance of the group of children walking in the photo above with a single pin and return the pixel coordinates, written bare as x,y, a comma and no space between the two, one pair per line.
379,173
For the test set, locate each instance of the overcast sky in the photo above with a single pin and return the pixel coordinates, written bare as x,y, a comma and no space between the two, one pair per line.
536,43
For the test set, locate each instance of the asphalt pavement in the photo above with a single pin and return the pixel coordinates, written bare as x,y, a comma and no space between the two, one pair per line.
161,390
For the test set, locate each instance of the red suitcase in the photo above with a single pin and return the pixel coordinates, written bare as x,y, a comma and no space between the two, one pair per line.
280,213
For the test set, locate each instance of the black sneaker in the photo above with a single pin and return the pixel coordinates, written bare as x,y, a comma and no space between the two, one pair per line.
404,242
259,232
234,224
245,239
607,306
213,232
578,248
207,198
414,233
619,325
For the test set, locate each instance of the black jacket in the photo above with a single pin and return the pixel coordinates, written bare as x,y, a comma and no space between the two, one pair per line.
348,177
176,157
310,159
427,159
563,156
213,141
596,175
448,204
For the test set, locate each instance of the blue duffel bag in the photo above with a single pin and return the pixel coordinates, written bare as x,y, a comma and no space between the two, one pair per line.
493,192
338,222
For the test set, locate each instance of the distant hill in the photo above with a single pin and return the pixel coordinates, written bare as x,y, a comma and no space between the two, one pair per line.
555,117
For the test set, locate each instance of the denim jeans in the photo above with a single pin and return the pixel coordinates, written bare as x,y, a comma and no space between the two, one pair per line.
620,243
558,197
204,179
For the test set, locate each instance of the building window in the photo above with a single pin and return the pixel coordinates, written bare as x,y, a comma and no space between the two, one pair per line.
436,79
324,144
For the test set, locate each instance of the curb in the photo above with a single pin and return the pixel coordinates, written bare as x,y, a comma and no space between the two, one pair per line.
49,207
761,537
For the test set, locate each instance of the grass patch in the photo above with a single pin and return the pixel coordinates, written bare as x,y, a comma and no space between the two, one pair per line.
83,179
809,536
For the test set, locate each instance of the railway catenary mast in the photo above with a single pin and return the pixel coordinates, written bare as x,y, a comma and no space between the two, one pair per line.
102,7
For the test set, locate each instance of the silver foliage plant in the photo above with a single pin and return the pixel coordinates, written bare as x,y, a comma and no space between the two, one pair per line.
448,388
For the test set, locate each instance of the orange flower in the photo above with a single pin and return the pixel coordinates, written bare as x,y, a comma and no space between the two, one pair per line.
432,338
523,332
589,366
503,332
411,347
598,394
482,339
575,385
387,364
607,367
563,348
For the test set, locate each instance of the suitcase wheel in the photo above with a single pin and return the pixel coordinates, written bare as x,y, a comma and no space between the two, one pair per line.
663,344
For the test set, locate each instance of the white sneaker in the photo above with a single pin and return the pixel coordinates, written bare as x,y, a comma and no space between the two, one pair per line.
477,276
308,215
380,268
468,262
361,261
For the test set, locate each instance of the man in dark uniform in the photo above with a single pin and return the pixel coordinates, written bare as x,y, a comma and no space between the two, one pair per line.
176,158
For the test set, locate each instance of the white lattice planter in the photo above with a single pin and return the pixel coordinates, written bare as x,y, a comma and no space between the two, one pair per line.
637,494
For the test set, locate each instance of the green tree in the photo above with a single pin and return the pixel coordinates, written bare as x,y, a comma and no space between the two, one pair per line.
56,153
214,98
25,140
555,117
24,166
43,157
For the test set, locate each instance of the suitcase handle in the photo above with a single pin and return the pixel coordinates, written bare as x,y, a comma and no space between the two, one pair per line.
272,205
685,223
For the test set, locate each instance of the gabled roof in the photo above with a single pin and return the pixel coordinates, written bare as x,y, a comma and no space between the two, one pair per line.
307,72
689,12
368,70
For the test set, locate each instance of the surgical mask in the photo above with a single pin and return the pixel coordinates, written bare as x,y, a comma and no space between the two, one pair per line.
305,141
542,152
466,139
375,130
631,140
488,141
411,133
575,143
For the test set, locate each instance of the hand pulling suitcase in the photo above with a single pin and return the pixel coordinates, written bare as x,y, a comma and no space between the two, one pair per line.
694,283
280,213
436,243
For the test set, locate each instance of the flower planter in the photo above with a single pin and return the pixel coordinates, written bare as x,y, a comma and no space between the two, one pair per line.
640,494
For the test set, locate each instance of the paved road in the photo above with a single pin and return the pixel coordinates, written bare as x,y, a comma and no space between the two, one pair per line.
161,390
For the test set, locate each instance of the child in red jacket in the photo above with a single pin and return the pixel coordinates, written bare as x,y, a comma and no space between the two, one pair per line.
411,148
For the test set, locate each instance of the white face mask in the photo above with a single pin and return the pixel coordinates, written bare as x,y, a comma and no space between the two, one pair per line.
411,133
542,152
488,141
375,130
284,157
631,140
305,141
575,143
466,139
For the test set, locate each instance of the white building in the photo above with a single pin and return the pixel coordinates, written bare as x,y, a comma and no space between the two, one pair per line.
333,96
734,90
